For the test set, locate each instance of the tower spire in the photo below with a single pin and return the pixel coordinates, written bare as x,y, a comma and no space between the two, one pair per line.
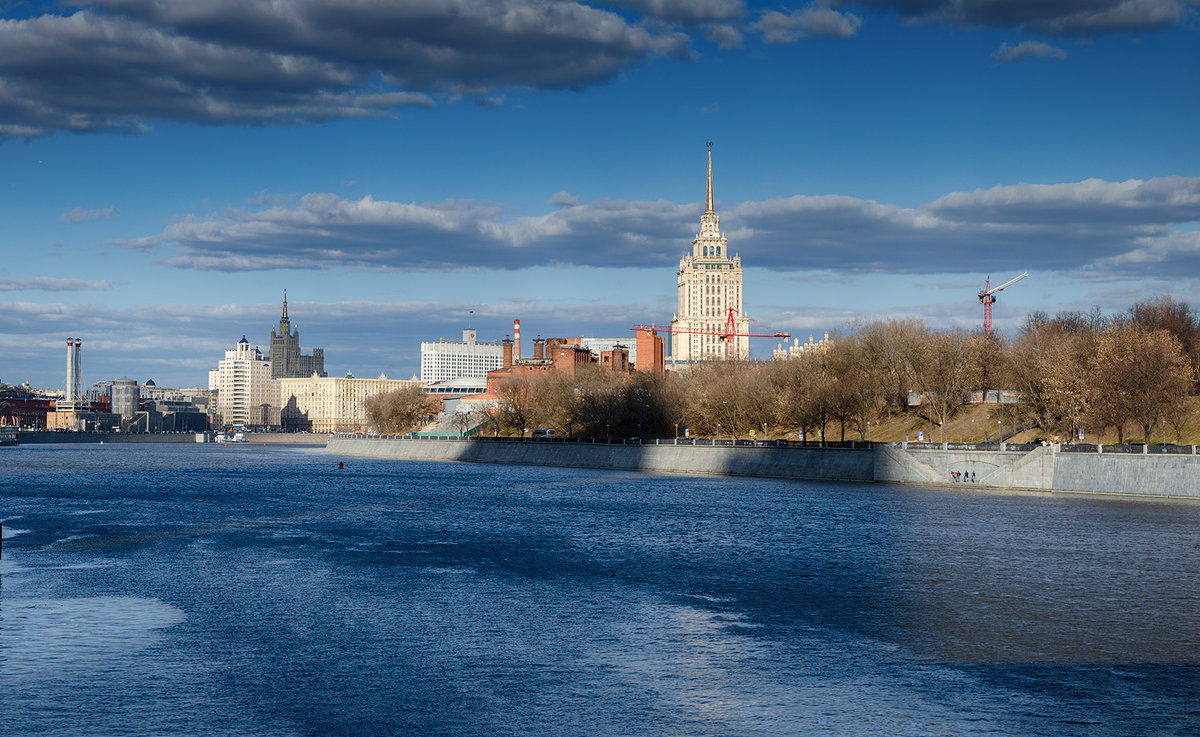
708,194
285,304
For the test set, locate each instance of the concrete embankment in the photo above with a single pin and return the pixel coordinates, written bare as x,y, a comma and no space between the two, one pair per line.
816,463
265,438
49,436
1042,469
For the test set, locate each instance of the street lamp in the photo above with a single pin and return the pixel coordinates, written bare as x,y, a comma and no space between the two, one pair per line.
718,432
677,433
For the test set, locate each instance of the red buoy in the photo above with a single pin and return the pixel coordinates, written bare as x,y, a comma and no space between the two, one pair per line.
341,465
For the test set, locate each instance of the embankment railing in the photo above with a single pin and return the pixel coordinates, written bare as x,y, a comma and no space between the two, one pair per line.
1128,449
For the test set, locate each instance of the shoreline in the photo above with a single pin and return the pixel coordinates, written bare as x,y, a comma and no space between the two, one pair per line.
45,437
1043,469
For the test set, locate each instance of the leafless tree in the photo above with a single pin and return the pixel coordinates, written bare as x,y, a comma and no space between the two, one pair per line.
943,373
400,411
1138,375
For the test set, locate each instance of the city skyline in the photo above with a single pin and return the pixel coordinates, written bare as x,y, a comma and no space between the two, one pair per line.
171,168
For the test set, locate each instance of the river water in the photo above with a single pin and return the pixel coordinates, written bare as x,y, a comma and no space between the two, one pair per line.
203,590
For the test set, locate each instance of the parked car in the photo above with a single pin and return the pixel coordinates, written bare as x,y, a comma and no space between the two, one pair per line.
538,434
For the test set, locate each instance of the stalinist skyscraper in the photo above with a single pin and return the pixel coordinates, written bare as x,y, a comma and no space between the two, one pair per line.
710,283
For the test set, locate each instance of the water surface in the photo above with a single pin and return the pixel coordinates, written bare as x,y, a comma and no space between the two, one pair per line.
261,591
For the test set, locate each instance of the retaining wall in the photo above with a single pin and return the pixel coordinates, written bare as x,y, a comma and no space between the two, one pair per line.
1041,469
808,463
49,436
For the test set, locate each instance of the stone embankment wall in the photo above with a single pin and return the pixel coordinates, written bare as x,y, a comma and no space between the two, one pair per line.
47,436
810,463
1042,469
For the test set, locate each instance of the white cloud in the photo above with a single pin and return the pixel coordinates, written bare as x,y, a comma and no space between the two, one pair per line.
816,20
1008,54
1063,17
79,214
52,284
724,35
1077,225
122,63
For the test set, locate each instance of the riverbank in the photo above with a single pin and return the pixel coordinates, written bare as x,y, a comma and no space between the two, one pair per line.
1044,468
37,437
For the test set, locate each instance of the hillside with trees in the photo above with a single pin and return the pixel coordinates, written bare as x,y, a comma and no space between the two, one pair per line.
1129,377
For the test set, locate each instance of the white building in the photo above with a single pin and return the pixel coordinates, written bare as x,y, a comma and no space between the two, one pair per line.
446,360
785,352
243,384
710,293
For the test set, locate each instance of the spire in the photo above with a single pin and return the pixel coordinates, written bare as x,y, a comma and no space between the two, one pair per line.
708,194
285,291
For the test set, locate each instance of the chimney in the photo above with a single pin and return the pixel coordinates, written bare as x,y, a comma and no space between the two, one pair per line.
538,347
516,340
508,358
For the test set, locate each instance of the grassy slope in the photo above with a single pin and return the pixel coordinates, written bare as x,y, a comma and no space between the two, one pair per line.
969,423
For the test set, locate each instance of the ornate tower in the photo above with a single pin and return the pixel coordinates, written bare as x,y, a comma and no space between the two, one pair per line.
710,283
284,355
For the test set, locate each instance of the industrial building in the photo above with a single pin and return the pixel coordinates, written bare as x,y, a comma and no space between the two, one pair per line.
566,356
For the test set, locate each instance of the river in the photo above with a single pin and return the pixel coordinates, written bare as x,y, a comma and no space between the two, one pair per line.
250,590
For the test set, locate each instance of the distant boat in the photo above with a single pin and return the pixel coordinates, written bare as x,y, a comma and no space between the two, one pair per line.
239,437
219,438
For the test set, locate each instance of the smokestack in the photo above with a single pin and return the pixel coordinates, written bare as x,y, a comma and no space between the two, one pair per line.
538,347
516,340
74,379
70,368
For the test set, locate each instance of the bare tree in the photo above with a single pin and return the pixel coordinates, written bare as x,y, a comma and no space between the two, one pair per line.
888,356
1177,318
400,411
514,404
943,373
1138,375
1050,368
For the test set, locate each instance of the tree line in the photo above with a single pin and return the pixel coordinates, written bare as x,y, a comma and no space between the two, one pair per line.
1070,370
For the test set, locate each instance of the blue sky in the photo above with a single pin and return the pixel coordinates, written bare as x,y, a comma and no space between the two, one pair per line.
169,168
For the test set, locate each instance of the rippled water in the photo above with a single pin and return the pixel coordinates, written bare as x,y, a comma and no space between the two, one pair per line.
201,590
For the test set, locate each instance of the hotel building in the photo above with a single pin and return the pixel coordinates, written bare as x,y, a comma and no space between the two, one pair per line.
710,285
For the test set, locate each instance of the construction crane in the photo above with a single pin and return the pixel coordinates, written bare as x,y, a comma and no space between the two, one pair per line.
726,336
987,297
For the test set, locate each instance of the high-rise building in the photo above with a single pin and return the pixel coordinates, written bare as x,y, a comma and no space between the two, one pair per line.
284,354
710,284
243,383
447,360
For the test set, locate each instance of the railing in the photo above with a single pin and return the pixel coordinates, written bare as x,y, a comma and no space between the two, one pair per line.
1131,449
723,442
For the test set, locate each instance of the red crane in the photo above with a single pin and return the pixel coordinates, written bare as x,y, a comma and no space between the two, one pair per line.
987,299
726,336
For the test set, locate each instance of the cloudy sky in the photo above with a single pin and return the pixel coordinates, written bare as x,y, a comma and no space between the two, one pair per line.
169,167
